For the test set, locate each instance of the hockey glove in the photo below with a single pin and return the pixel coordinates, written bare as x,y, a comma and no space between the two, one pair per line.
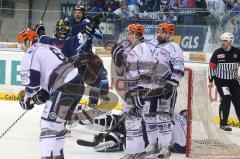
25,102
92,25
118,56
41,97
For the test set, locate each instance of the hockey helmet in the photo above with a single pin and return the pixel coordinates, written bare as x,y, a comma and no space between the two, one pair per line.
227,36
167,27
79,8
63,28
27,34
136,28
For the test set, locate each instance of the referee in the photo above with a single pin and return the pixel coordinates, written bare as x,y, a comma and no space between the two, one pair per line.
224,65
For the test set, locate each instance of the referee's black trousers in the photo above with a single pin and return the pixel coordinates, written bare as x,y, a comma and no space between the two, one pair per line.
229,91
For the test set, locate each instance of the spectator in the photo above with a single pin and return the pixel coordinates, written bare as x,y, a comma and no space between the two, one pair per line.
236,9
226,16
122,12
98,6
133,8
228,4
113,5
216,9
162,17
164,6
148,5
172,16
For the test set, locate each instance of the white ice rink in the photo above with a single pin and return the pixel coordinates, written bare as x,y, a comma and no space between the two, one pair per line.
22,141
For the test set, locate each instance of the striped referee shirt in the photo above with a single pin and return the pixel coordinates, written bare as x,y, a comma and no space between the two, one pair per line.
224,64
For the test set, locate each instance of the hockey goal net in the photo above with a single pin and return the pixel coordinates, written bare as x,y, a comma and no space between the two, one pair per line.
204,138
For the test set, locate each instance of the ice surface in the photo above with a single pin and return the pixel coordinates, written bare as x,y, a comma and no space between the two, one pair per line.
22,141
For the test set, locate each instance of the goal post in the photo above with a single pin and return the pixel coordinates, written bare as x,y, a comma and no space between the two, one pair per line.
204,138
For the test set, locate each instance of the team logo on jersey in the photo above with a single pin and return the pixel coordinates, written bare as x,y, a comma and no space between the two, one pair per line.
220,56
235,56
163,52
52,115
25,80
131,54
129,123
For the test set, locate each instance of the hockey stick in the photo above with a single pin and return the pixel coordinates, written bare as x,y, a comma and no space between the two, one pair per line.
161,91
4,133
92,144
45,9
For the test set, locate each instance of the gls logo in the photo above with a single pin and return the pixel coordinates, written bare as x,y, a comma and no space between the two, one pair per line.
190,42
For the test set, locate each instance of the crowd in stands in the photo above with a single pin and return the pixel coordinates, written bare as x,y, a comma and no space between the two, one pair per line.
173,11
215,13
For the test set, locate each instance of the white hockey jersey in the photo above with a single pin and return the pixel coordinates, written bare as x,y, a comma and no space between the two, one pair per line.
170,62
138,61
37,64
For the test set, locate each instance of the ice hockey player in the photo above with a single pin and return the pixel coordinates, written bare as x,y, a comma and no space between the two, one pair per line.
35,71
169,69
78,15
63,30
85,33
116,140
103,123
224,66
134,63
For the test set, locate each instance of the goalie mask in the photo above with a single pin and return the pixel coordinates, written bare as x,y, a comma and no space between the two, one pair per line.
62,29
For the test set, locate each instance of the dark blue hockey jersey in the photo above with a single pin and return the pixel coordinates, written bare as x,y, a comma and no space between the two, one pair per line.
51,41
72,43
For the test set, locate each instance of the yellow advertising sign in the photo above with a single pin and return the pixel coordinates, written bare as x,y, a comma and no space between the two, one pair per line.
197,56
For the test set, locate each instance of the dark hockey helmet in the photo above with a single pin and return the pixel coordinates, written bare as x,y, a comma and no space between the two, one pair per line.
63,29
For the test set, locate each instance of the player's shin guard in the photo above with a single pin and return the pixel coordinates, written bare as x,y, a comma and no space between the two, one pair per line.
164,129
152,133
60,140
151,128
51,139
134,135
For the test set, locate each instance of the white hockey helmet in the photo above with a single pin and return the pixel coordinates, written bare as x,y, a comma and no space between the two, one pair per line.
227,36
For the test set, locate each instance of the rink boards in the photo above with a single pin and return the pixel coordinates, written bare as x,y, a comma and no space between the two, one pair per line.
10,77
